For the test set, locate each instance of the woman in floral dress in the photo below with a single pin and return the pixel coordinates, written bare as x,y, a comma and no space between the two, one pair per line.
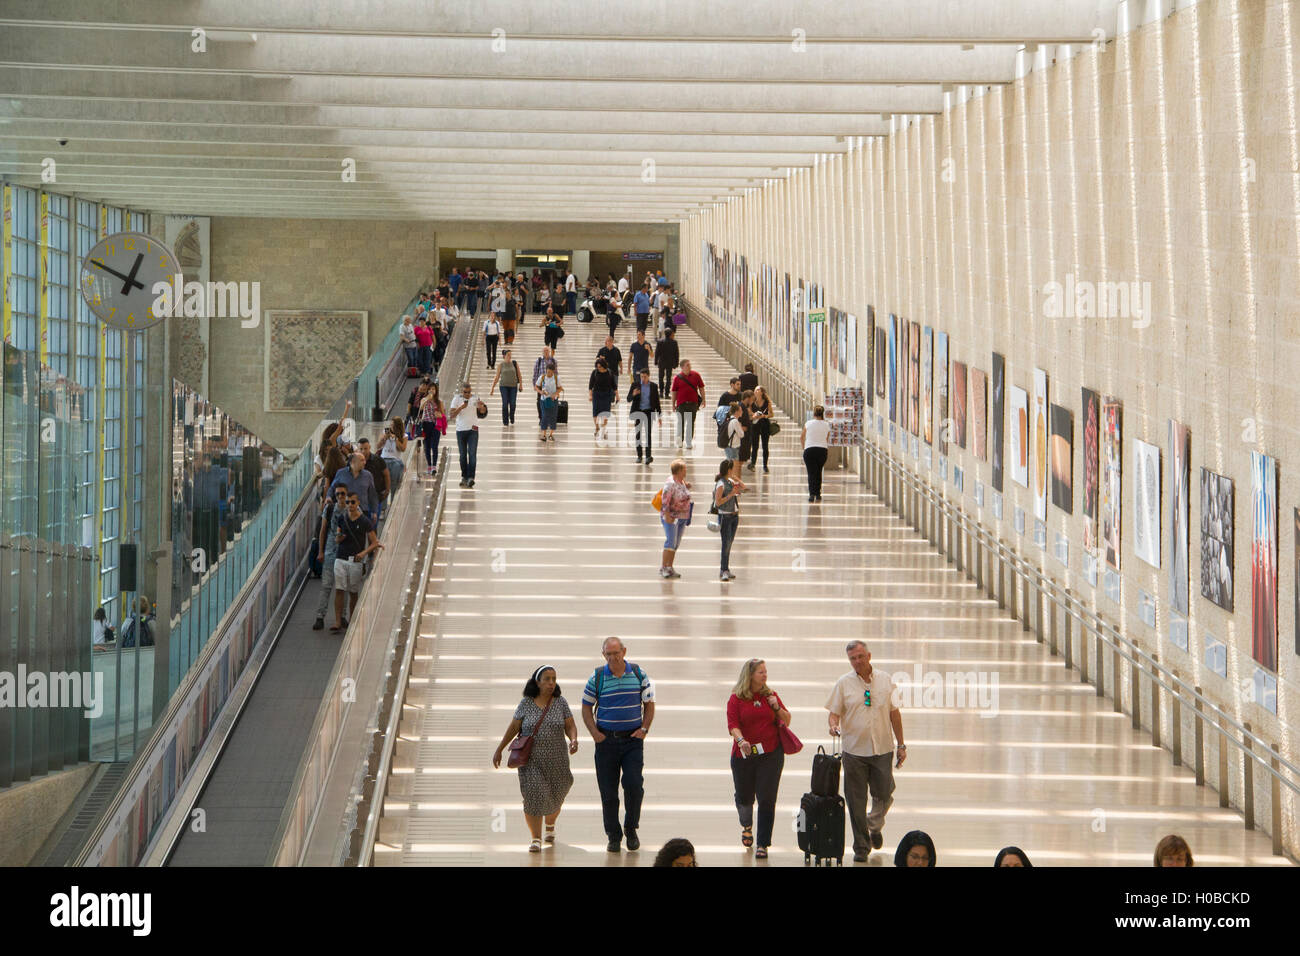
546,779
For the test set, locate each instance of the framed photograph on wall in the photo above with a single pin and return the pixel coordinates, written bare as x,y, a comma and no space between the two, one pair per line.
1263,560
1180,480
1146,502
979,392
1112,427
1062,455
1091,433
1039,442
1018,447
1216,538
927,385
997,408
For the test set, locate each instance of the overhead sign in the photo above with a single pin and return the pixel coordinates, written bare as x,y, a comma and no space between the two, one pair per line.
819,316
641,256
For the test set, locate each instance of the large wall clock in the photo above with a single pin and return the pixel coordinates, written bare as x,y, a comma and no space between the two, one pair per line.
118,276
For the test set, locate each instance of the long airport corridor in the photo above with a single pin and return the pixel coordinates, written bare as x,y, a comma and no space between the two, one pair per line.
557,547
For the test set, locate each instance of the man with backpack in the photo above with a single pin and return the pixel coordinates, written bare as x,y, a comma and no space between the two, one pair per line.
146,625
618,706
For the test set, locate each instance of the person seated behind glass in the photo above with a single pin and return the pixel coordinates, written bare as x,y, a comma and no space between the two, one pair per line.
102,637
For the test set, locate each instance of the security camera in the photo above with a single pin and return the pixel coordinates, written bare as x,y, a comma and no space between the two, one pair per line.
62,141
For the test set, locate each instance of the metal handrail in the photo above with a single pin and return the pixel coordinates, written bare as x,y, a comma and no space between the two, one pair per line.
1122,648
396,695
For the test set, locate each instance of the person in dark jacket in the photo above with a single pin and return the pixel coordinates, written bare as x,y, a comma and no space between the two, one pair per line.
667,357
748,380
600,392
643,405
915,849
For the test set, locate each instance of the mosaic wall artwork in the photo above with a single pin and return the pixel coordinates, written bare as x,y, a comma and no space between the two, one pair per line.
311,355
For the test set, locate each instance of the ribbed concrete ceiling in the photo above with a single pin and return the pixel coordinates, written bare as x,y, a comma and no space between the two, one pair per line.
491,109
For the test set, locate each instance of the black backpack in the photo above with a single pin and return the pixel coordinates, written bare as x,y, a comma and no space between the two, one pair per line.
128,633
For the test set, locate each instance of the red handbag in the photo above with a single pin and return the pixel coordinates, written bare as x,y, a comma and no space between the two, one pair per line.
521,748
790,744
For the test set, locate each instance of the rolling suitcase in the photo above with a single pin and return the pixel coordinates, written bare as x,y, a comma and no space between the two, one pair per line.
821,829
826,770
562,413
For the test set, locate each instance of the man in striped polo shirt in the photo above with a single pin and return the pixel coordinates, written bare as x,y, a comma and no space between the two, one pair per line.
618,706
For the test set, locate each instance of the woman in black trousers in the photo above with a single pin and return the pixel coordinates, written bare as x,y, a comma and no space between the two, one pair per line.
761,412
754,712
816,442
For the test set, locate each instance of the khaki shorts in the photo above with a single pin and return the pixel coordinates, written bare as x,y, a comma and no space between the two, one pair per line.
347,575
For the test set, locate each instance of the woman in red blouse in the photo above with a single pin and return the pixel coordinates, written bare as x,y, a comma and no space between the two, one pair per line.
756,755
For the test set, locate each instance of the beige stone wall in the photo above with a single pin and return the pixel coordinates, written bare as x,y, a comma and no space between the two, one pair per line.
1170,157
307,264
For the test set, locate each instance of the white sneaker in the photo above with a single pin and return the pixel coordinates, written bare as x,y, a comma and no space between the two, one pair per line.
663,573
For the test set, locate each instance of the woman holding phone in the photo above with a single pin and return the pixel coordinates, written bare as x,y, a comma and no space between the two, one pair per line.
757,758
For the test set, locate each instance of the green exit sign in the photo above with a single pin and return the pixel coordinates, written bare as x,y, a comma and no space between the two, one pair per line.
816,316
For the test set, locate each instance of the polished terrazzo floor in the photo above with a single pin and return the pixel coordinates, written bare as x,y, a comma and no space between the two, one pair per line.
557,547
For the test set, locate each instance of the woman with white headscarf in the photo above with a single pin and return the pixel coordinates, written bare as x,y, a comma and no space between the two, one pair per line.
543,716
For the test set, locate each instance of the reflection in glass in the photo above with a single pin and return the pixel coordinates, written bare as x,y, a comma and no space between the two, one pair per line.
221,475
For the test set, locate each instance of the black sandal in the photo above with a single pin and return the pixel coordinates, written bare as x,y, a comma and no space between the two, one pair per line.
747,836
760,853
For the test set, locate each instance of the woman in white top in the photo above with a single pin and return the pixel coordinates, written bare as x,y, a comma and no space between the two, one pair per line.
391,446
491,336
815,438
549,390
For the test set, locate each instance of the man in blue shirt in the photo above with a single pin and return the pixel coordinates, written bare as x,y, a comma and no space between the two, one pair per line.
641,303
618,706
358,481
643,405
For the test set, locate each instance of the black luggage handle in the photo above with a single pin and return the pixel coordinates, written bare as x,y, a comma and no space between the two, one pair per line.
835,746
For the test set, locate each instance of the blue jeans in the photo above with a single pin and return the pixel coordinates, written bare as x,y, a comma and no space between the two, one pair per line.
623,756
412,356
570,303
395,471
425,360
431,438
550,409
467,442
727,526
509,397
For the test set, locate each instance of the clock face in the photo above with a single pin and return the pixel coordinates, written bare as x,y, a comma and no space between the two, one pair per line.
118,276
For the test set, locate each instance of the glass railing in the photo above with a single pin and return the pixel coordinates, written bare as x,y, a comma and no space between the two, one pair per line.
49,569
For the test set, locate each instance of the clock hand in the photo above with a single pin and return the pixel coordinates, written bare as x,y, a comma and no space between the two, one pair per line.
131,279
107,269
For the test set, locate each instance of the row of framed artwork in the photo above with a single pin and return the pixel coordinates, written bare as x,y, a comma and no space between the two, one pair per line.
910,373
786,315
944,403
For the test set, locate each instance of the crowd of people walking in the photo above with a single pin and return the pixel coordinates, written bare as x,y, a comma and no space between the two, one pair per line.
618,699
